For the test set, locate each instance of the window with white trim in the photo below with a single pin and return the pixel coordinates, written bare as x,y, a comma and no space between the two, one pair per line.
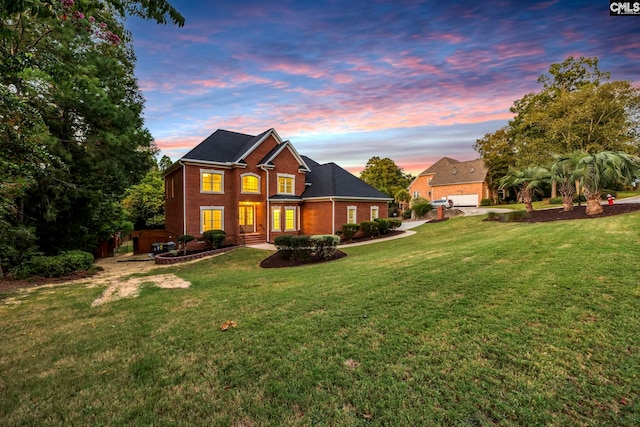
286,184
276,219
351,215
374,212
416,194
290,218
211,218
250,183
211,181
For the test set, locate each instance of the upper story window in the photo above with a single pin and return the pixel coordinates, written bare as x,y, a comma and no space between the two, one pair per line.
250,183
286,184
211,181
429,181
416,194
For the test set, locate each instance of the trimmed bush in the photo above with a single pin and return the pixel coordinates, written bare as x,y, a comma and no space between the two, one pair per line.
555,201
422,208
394,223
369,228
349,230
56,266
324,245
283,245
383,225
301,248
406,214
215,238
485,202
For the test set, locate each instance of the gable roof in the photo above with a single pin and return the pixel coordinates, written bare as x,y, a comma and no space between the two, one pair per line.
449,171
232,148
330,180
443,162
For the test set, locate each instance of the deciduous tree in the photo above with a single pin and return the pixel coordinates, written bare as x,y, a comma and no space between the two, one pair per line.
385,176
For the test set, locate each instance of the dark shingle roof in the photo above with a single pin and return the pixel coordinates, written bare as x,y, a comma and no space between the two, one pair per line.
224,146
330,180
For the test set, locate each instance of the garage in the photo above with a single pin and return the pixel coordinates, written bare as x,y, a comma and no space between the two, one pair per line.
464,199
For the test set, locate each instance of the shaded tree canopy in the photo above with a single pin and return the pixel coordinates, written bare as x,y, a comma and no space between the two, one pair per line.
577,109
71,111
385,176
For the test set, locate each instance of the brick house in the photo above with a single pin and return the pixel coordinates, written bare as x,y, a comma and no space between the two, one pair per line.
258,187
464,183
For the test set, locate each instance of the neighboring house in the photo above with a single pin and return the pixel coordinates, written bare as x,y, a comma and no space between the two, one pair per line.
258,187
464,183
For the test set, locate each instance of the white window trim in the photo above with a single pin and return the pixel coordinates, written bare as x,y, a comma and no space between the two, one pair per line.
213,172
242,190
371,209
273,209
355,214
295,218
211,208
293,183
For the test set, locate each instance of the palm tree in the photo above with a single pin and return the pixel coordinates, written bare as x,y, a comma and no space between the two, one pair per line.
562,174
527,181
597,171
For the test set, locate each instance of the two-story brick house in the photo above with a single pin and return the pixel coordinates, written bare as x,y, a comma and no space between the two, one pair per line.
258,187
464,183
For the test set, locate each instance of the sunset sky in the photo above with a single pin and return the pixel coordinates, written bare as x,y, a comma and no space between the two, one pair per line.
348,80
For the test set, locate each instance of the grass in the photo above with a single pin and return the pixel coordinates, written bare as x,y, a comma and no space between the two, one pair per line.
465,323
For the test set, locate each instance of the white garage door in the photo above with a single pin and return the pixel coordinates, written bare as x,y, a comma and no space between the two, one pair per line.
464,199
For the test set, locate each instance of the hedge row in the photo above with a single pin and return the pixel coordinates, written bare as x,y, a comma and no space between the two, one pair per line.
302,248
377,227
55,266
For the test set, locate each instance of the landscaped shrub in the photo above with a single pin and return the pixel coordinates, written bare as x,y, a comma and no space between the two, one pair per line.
555,201
406,214
301,248
215,238
485,202
369,228
422,208
383,226
349,230
56,266
324,245
184,239
394,223
283,245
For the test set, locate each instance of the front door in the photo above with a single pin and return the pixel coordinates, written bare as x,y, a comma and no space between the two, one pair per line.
247,218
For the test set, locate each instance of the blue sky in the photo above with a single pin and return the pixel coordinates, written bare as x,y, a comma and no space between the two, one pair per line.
348,80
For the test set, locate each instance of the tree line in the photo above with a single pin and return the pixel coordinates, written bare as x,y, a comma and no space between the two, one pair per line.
72,137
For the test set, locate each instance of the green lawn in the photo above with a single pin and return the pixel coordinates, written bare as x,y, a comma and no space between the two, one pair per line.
465,323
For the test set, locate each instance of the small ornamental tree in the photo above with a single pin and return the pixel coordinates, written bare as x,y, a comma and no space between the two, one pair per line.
184,239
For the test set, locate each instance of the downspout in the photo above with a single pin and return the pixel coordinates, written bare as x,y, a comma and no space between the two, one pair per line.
268,225
333,216
184,198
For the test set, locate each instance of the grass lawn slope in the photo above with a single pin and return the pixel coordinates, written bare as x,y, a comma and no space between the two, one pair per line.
465,323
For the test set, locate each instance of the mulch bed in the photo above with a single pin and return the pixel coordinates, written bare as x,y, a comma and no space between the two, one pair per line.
276,261
579,212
